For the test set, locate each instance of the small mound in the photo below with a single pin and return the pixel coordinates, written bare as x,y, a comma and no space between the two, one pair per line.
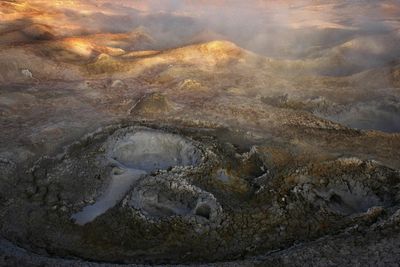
39,32
152,104
347,186
159,197
191,85
105,63
78,46
221,49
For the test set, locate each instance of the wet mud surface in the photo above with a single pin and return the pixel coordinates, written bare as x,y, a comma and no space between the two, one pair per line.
157,195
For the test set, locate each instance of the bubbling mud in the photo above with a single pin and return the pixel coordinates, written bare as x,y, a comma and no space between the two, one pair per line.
135,155
149,150
145,194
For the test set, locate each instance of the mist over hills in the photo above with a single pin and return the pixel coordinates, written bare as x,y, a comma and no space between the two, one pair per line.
315,39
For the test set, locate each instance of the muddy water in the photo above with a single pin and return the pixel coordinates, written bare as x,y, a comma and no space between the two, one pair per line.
136,154
122,181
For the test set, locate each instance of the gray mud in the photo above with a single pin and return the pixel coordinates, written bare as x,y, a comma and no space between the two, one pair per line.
177,196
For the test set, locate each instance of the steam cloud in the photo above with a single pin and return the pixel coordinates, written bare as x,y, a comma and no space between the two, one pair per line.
343,38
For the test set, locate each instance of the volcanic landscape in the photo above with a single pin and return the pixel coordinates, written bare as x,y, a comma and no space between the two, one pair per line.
199,133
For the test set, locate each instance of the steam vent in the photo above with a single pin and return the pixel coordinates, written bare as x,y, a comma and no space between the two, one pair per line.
199,133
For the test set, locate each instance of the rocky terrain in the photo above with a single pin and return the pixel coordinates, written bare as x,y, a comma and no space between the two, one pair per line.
207,133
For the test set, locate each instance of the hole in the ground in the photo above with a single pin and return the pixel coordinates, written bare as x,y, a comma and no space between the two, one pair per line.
348,203
203,210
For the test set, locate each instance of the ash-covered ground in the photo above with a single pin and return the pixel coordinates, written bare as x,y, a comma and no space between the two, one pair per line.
212,133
